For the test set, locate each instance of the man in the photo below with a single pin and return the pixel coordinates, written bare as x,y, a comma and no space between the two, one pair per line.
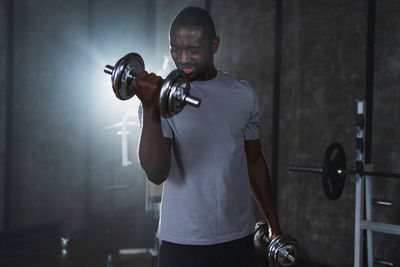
209,157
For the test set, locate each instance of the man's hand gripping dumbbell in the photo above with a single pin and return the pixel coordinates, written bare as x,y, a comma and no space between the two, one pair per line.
282,250
128,77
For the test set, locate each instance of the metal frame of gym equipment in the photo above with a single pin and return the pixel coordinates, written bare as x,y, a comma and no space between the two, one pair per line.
334,172
363,200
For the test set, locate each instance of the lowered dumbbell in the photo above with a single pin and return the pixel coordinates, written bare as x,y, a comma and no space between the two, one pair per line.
283,250
175,90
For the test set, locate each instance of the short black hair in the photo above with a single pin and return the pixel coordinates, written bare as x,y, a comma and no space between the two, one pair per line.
195,16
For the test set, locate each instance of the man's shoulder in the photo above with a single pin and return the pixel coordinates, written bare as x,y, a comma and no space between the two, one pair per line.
228,78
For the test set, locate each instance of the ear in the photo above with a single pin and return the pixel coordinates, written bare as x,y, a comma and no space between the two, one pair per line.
215,44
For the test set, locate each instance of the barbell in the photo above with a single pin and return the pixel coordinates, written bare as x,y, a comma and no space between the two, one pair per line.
334,171
283,250
175,90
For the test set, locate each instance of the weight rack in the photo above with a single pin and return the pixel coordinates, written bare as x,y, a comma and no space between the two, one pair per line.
363,199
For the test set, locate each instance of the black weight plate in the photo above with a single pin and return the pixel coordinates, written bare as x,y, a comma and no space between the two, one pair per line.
130,64
166,91
180,88
133,66
334,160
116,76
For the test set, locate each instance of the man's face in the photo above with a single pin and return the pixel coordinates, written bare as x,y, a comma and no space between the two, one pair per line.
192,51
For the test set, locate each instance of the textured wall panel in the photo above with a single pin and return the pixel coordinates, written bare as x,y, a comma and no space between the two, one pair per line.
386,126
117,29
3,51
323,72
47,171
63,103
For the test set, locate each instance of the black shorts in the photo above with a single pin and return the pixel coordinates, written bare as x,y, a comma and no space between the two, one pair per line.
236,253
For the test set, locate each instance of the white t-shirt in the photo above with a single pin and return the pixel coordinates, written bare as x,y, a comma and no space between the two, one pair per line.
206,197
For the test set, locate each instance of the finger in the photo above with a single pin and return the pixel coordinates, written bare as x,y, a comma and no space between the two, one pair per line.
142,75
156,79
151,75
138,84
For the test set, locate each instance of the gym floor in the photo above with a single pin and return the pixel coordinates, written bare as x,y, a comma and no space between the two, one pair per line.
92,250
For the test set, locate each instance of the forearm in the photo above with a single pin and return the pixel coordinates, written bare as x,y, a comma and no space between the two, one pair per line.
153,150
262,192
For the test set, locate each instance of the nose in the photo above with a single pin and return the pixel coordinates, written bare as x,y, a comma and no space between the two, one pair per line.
184,57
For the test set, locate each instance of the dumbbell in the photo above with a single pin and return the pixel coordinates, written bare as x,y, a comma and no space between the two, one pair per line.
283,250
175,90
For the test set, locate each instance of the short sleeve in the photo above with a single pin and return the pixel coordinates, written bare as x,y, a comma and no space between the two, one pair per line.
252,130
166,127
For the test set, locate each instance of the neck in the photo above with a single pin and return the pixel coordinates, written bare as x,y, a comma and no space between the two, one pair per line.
211,73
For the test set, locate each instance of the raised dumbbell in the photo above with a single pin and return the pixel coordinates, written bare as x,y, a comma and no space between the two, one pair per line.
175,90
283,250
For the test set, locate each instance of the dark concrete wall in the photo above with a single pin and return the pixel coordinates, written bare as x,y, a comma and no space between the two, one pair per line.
63,160
117,30
323,72
386,130
3,55
48,140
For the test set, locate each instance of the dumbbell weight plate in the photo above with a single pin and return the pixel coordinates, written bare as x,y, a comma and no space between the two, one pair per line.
176,99
124,72
165,89
283,251
169,103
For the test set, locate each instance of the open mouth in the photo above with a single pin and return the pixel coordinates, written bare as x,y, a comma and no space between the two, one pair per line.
187,70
